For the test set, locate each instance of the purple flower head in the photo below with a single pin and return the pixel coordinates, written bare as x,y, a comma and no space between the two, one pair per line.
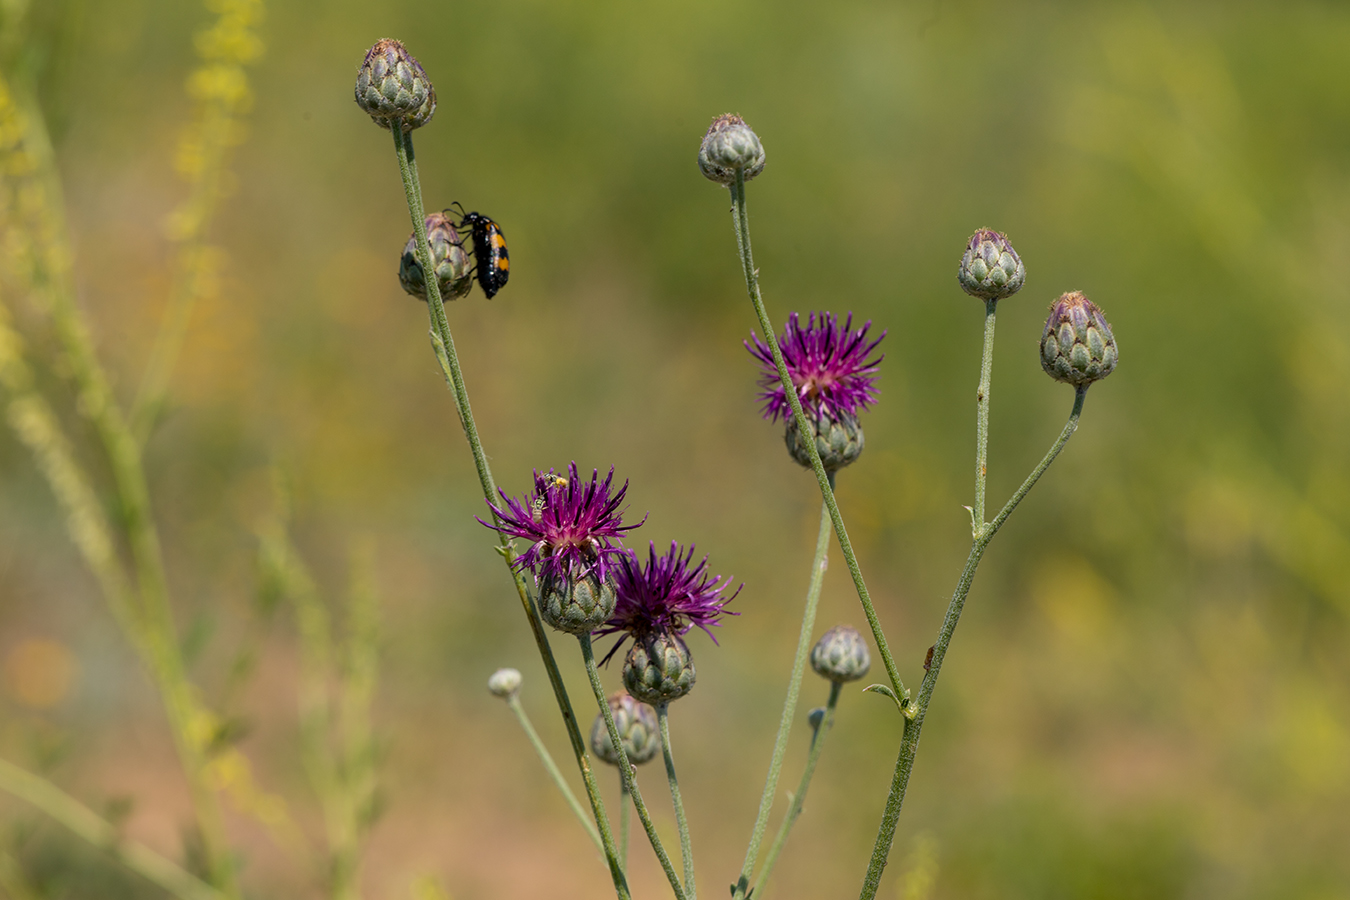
574,526
668,594
829,366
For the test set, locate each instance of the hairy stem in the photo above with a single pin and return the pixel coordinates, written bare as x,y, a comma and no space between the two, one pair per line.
818,566
546,758
625,821
742,225
909,743
799,798
626,768
444,345
686,845
982,415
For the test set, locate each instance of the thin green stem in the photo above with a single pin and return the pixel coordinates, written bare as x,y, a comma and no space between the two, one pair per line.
909,743
625,821
513,701
799,798
85,824
818,565
626,768
982,416
444,345
742,225
686,845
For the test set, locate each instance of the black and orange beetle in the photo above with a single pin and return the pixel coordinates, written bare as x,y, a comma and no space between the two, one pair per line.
491,261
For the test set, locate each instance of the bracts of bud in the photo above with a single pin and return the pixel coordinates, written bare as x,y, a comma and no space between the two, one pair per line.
837,435
658,668
575,605
638,729
730,147
391,86
841,655
447,258
990,268
1077,346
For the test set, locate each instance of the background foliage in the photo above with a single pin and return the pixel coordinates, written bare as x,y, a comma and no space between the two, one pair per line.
1148,696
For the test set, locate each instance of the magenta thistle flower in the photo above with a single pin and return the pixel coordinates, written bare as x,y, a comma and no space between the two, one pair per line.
574,526
668,595
829,366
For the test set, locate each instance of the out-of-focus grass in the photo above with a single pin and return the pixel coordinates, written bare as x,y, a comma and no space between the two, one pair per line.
1147,697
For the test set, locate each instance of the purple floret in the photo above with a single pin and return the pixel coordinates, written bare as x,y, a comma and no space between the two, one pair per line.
668,594
829,366
574,526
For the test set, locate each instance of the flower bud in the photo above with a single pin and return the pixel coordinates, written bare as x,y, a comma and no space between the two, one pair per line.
447,256
1077,346
391,85
637,727
576,605
990,268
730,146
837,434
841,654
504,683
658,668
816,716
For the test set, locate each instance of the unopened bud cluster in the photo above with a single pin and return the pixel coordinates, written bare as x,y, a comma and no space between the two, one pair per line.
391,86
990,268
637,727
448,259
730,147
1077,346
841,655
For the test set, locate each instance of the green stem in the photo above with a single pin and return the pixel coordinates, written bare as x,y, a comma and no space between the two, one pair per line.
626,768
513,701
818,565
686,845
982,415
799,798
909,743
742,224
85,824
444,345
625,821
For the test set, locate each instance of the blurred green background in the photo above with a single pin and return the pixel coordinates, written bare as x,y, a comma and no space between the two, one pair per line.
1148,696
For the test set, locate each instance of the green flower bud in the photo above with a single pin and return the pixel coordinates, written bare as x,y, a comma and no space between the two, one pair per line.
576,606
504,683
816,716
1077,346
637,727
730,146
841,654
658,668
391,85
447,254
838,437
990,268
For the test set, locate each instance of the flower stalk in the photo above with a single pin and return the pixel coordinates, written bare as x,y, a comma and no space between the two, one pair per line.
681,822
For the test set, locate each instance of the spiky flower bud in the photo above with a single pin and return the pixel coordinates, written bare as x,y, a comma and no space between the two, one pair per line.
447,256
837,435
637,727
504,683
1077,346
392,86
576,605
658,668
990,268
728,147
841,654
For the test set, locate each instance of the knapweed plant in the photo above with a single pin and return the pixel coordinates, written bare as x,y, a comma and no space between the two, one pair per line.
577,576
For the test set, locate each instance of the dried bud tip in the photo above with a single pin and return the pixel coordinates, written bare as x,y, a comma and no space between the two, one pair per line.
990,268
504,683
841,655
728,147
392,86
1077,346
